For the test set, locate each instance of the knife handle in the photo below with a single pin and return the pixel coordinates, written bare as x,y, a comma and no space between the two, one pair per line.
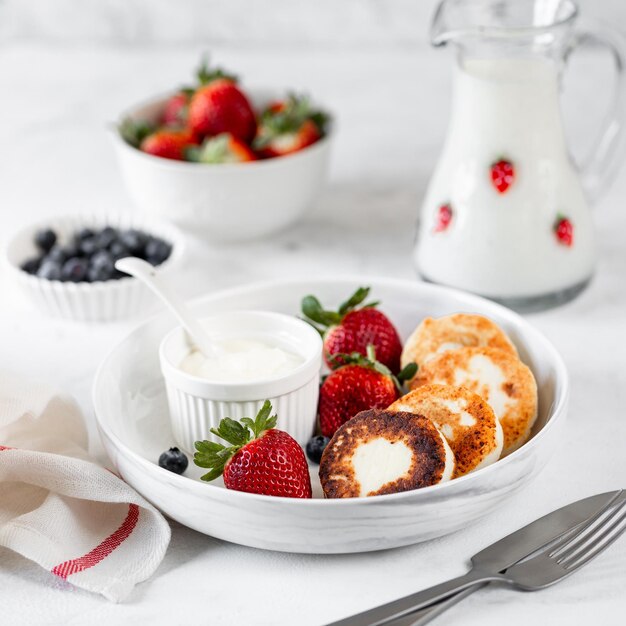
426,615
398,608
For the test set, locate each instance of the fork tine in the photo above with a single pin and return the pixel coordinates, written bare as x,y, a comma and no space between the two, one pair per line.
598,545
556,547
578,542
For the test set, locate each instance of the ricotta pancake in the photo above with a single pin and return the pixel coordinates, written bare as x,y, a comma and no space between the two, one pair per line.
434,336
498,376
380,452
466,421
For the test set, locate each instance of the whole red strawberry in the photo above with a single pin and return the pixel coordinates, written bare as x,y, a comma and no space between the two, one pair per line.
221,107
502,175
175,111
288,126
444,217
361,384
564,231
354,327
260,459
168,143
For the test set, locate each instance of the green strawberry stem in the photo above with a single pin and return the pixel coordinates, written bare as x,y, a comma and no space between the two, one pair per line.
356,358
214,456
134,132
317,316
206,74
213,150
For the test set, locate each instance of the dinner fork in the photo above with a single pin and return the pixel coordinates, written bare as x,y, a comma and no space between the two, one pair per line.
542,568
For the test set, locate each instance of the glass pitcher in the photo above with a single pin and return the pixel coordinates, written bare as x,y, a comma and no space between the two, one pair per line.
506,214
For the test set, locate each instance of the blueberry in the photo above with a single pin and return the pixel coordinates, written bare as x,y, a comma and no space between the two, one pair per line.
74,270
101,266
106,237
174,460
135,241
84,233
57,254
31,266
157,251
315,446
119,251
88,245
45,239
50,270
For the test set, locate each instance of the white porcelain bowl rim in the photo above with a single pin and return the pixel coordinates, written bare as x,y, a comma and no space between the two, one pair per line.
133,111
255,388
558,409
165,229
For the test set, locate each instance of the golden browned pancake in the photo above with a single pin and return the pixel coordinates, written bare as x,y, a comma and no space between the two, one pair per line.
497,376
466,421
379,452
434,336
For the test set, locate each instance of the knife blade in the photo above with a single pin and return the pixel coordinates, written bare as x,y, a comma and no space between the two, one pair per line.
495,557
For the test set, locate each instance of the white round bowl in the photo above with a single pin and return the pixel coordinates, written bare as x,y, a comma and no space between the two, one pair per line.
131,411
88,302
229,202
197,404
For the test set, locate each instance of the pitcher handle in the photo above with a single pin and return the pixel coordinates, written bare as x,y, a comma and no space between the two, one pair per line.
603,161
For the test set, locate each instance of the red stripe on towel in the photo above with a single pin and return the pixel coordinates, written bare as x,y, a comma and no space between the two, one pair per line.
103,550
5,448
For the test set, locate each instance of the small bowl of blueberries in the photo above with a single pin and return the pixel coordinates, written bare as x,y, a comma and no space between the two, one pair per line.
67,266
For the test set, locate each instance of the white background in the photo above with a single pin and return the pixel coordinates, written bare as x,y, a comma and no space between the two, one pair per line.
68,67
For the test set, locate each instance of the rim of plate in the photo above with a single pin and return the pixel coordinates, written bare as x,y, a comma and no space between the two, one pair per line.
556,411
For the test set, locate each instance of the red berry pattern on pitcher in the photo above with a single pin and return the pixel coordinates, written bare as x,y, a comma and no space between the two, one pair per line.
502,175
564,231
443,218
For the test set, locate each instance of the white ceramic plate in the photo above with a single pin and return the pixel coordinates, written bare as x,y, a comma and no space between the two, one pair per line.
131,410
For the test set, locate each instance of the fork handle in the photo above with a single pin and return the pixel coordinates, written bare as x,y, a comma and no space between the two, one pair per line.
398,608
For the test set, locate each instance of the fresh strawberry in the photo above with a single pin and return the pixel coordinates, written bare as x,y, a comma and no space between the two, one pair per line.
175,111
168,143
443,219
221,149
260,459
564,230
221,107
288,126
502,175
352,329
361,383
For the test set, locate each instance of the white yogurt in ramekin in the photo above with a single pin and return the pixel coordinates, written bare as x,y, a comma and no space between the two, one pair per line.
241,359
259,356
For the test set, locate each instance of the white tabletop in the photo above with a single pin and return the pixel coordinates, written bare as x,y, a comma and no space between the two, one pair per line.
55,158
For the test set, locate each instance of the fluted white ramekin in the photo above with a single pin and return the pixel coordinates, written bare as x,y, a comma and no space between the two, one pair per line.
88,302
196,404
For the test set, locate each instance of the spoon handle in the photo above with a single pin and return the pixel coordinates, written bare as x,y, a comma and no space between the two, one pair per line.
149,276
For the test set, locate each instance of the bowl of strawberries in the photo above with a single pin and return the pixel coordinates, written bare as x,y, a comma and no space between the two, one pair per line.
224,162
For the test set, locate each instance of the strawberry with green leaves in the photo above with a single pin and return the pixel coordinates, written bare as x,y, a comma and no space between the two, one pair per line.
353,327
219,106
221,149
288,126
360,383
260,459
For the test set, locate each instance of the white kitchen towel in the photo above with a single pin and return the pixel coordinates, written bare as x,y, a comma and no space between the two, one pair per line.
58,508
